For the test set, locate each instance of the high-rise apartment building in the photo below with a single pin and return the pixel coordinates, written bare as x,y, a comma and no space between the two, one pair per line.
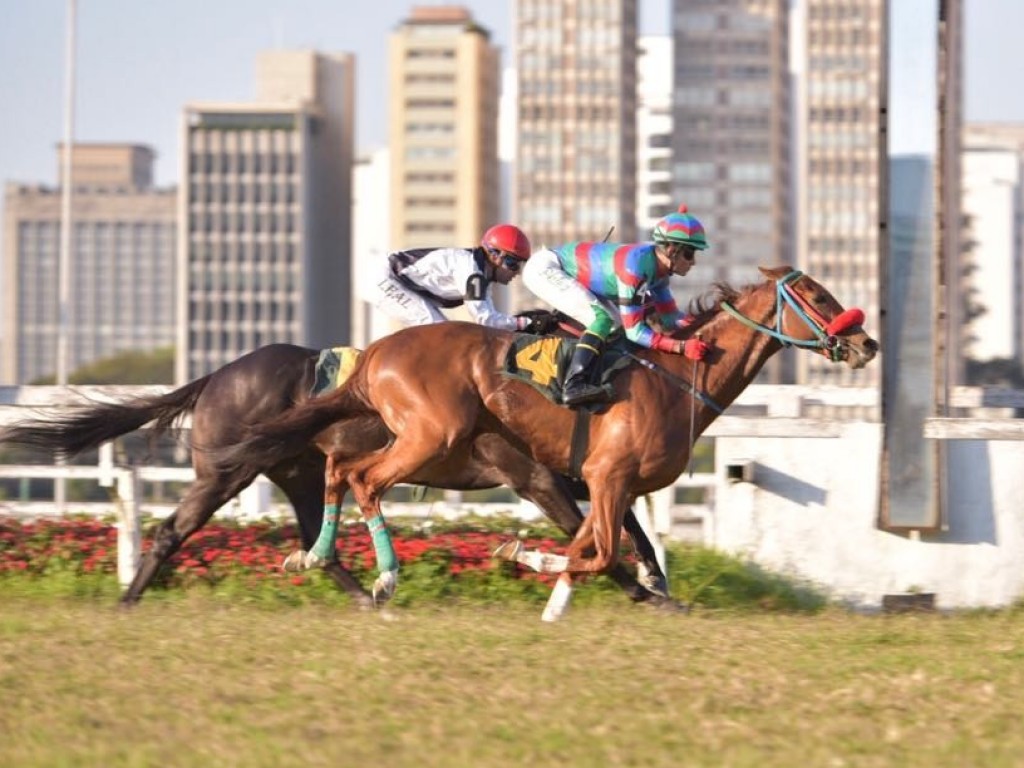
266,206
845,155
445,82
993,202
653,132
370,237
576,172
122,263
732,141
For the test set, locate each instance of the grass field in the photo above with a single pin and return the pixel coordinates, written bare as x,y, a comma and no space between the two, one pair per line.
199,681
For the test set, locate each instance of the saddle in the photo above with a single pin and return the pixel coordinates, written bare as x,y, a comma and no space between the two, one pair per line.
542,362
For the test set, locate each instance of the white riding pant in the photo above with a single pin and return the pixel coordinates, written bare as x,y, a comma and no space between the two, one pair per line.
544,276
399,303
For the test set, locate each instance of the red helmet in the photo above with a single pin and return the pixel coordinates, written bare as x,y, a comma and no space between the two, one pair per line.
507,239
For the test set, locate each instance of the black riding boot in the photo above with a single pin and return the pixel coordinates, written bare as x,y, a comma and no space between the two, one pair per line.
578,388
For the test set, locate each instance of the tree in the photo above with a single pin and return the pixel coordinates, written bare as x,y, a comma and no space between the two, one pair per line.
133,367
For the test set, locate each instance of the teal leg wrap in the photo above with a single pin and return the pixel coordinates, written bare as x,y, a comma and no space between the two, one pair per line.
324,546
386,559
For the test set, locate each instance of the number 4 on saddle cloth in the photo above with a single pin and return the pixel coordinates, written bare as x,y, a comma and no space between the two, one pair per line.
542,362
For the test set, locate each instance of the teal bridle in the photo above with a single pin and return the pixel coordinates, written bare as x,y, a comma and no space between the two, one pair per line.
826,338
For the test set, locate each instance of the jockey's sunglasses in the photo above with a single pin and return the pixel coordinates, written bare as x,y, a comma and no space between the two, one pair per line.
688,252
507,260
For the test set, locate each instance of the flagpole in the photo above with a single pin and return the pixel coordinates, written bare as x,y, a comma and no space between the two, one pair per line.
67,186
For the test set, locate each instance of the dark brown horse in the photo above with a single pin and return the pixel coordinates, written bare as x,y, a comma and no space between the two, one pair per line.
440,388
261,386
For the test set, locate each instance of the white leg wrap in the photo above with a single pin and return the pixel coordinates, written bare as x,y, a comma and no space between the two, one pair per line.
558,603
300,560
542,561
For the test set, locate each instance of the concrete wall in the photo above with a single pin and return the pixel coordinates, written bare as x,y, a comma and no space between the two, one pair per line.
810,512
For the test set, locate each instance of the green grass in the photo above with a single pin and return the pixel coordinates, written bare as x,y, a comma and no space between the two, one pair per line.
193,678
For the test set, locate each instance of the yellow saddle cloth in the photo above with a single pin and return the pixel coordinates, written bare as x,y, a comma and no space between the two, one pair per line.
333,367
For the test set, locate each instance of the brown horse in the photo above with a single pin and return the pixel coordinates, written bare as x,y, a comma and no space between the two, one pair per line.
440,388
260,386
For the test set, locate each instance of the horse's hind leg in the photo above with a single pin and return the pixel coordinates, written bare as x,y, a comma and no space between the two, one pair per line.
384,551
203,498
371,477
303,484
652,577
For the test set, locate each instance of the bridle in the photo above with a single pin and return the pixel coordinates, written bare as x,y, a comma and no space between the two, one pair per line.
826,332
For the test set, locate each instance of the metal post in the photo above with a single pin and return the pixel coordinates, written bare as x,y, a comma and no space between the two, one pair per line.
67,186
129,530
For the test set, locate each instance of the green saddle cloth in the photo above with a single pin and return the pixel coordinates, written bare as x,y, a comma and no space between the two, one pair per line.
542,362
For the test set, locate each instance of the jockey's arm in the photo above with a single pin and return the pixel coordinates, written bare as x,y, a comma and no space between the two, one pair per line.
631,308
665,306
476,295
485,313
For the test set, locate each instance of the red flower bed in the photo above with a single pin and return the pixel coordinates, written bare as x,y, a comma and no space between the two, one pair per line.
254,551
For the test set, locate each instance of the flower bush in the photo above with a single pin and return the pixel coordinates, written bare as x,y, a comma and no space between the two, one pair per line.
444,560
78,556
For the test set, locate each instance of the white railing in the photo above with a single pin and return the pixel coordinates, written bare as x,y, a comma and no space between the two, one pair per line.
772,411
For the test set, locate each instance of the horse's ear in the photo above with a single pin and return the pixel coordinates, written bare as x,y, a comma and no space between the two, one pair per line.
775,273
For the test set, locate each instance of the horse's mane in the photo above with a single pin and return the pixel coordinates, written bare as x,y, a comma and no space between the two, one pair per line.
703,307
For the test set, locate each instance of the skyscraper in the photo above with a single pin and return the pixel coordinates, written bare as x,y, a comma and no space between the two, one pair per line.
654,132
445,81
994,213
576,170
122,263
731,137
265,238
845,155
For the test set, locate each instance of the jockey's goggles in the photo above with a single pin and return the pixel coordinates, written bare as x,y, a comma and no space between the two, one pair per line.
507,260
687,252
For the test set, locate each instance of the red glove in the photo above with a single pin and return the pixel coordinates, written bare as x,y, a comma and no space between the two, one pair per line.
695,349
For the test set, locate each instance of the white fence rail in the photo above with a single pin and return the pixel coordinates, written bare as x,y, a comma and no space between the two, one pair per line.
795,488
766,411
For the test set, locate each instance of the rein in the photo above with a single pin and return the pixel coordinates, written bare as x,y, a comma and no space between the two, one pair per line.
826,340
826,333
680,382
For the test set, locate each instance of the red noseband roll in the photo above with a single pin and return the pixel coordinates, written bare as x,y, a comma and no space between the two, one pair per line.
844,321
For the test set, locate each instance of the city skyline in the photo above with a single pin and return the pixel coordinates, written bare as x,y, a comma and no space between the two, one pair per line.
131,87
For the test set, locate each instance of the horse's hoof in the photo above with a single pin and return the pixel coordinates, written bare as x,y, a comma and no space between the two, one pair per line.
653,581
301,560
313,560
295,562
384,587
666,605
508,551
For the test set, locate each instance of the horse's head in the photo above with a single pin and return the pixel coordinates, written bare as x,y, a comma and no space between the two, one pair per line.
809,316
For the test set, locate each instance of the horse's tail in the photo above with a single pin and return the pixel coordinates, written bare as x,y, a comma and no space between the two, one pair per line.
82,427
291,433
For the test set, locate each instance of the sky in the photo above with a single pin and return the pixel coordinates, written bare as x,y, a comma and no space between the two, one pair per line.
140,61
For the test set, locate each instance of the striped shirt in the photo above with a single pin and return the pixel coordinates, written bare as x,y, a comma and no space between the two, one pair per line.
628,275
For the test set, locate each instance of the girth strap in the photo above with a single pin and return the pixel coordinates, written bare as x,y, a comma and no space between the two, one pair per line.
580,442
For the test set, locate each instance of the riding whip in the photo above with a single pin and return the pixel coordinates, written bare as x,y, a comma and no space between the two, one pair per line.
693,413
